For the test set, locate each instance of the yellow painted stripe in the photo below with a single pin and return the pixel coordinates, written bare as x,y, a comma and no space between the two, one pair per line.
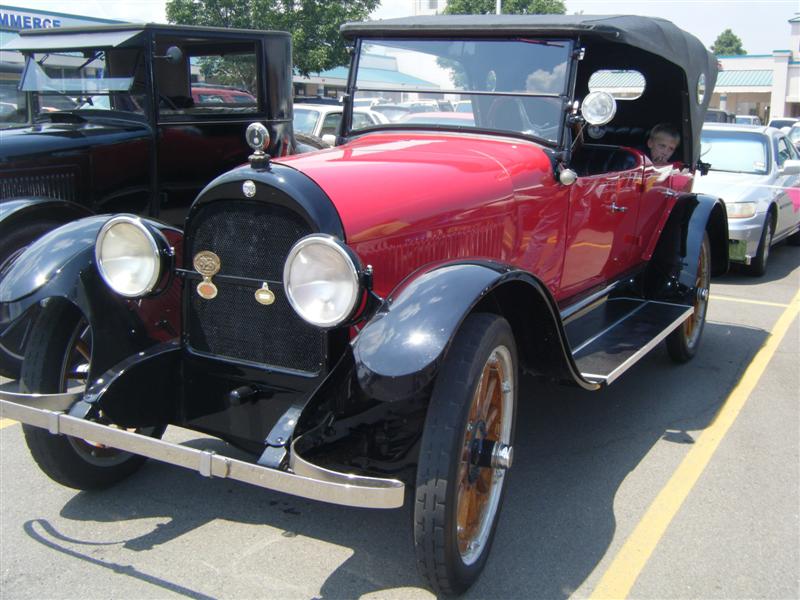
630,560
6,422
747,301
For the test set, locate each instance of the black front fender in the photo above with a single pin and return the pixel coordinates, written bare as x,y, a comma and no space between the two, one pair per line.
61,264
400,350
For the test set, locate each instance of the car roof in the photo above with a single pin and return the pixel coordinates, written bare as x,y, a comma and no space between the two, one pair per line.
122,35
741,127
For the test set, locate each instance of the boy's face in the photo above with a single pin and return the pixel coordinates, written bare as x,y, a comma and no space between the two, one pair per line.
662,146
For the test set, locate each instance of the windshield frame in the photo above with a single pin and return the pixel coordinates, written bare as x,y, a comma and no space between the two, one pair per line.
557,144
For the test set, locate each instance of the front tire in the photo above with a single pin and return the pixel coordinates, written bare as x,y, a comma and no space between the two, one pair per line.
683,342
58,360
458,498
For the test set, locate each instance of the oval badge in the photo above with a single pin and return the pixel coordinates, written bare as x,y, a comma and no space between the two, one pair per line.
264,295
206,290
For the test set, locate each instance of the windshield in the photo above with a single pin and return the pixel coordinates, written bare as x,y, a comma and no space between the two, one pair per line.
794,134
88,79
514,86
735,151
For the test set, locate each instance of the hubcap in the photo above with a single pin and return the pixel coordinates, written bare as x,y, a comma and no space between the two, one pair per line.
488,427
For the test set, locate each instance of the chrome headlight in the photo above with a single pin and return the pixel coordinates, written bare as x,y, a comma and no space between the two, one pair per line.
128,256
322,281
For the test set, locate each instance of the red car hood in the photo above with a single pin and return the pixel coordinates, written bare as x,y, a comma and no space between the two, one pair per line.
391,184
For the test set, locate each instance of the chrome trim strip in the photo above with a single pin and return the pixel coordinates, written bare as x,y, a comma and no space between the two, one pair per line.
572,310
316,483
636,356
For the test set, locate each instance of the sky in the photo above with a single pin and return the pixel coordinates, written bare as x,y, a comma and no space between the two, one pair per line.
761,24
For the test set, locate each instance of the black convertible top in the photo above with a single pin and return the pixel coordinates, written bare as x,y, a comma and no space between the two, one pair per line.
656,36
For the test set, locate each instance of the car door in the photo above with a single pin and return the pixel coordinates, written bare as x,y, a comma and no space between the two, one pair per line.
786,188
601,230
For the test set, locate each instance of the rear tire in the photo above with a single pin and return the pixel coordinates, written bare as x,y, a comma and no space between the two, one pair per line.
58,359
682,343
457,502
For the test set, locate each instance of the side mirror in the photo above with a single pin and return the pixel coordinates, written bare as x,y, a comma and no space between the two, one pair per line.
598,108
173,56
329,138
790,167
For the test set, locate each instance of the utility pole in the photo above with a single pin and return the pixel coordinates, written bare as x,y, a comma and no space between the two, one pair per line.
498,7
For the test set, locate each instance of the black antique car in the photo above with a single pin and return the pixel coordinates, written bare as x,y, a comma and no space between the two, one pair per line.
130,118
356,318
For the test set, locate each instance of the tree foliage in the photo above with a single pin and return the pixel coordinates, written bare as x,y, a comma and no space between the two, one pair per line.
728,44
314,24
509,7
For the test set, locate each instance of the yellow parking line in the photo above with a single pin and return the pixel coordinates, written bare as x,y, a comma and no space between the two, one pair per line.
6,422
618,580
746,301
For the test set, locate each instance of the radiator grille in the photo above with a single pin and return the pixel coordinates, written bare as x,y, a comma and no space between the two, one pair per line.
252,240
50,185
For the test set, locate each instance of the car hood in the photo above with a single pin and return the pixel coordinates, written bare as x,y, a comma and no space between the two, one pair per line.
48,138
733,187
386,184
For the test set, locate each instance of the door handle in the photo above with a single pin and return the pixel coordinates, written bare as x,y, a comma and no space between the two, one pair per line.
615,208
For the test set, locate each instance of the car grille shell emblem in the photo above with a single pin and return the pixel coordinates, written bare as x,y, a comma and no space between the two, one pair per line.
207,264
264,295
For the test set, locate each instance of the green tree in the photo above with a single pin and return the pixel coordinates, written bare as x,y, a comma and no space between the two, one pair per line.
509,7
314,24
728,44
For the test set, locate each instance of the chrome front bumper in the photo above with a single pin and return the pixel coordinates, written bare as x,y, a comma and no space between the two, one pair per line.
304,478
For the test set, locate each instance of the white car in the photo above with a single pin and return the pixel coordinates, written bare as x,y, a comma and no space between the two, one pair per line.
756,171
322,120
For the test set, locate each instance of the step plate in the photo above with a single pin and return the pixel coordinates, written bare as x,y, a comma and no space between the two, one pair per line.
616,349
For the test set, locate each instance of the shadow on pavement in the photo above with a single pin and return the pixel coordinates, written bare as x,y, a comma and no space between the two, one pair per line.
573,450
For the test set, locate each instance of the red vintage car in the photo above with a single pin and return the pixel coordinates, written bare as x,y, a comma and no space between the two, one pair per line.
356,318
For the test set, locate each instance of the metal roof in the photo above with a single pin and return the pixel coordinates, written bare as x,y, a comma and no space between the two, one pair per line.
754,78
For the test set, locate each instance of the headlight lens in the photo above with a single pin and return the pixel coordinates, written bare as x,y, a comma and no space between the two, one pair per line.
741,210
321,280
128,257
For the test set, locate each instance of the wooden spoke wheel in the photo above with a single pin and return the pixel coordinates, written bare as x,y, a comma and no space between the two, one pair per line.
683,342
465,454
58,359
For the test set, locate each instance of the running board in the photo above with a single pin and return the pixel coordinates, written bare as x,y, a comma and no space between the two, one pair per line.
614,336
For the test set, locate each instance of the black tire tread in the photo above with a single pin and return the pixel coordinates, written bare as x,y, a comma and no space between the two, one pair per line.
430,524
54,454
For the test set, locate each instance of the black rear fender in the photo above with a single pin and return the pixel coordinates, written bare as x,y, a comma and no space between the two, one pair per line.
20,212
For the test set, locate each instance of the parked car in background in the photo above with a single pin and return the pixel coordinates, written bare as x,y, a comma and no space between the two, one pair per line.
782,122
322,120
756,172
714,115
111,135
452,119
747,120
356,319
794,135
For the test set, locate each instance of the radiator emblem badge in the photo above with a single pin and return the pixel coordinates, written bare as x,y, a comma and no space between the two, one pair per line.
207,264
264,295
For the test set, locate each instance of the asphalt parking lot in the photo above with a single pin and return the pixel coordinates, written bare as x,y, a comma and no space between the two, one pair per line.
675,482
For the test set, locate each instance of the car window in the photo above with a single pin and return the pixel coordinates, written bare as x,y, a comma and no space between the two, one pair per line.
361,120
735,151
330,125
784,153
305,120
210,78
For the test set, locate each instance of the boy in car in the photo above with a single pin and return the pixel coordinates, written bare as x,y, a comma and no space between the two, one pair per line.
662,142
